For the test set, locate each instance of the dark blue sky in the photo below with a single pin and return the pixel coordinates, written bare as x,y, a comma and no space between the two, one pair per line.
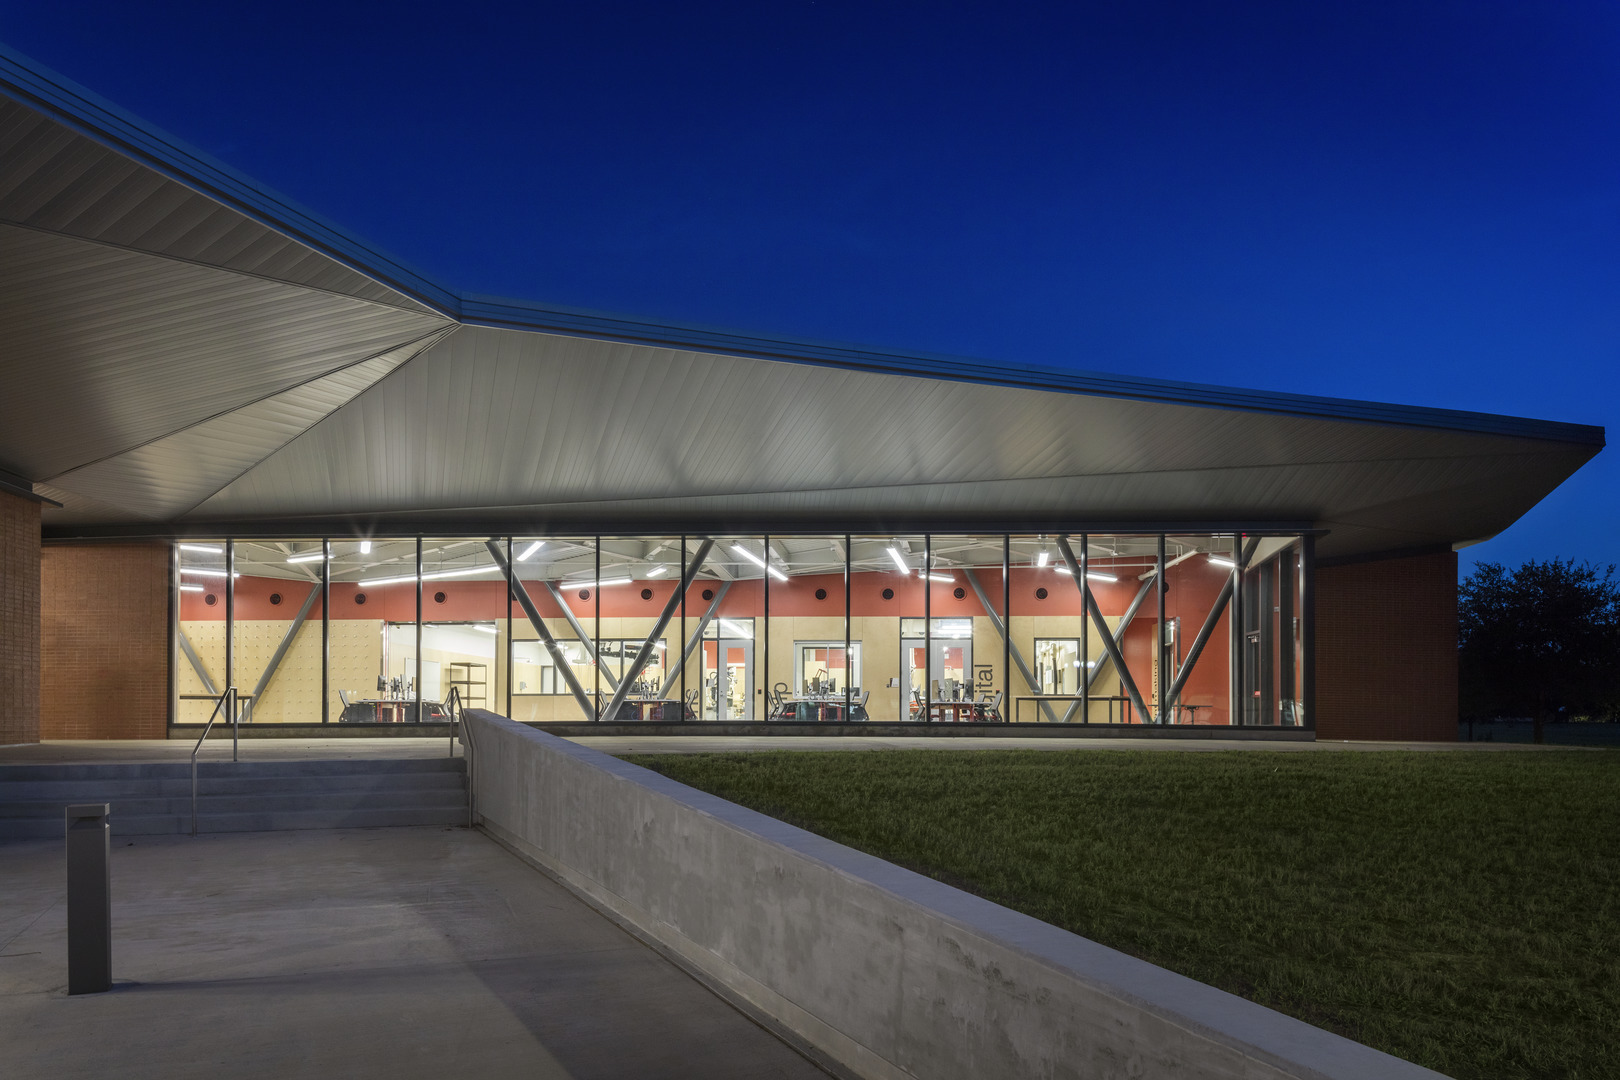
1415,203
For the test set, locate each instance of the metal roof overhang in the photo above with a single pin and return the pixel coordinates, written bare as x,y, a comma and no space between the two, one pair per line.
187,354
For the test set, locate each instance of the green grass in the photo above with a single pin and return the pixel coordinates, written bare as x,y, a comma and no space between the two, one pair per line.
1455,909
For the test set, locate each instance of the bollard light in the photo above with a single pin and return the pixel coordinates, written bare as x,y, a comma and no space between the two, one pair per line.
89,899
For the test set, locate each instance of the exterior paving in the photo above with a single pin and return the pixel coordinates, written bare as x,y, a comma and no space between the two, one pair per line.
396,953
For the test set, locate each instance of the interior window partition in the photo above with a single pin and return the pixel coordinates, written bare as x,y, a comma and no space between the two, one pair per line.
814,672
201,629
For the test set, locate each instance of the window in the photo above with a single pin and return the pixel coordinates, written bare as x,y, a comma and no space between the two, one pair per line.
819,668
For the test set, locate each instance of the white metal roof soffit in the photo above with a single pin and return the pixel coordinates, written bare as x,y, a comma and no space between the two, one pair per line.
601,435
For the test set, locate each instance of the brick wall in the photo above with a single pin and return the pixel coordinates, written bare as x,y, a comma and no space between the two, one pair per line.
104,669
19,619
1386,649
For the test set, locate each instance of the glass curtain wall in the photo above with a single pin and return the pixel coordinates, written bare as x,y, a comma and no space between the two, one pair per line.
1185,628
201,631
640,577
463,624
887,600
815,674
276,635
730,656
554,671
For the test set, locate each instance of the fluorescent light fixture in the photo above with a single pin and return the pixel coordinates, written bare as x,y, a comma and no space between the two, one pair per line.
439,575
1220,560
946,578
191,588
485,629
604,583
205,573
658,571
1091,575
365,547
530,550
203,547
759,562
899,560
737,629
312,557
1040,560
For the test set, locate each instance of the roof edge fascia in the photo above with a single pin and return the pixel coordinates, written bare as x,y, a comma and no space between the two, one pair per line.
517,315
93,116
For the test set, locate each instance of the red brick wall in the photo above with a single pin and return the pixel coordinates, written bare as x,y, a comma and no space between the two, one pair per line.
104,668
1386,649
19,619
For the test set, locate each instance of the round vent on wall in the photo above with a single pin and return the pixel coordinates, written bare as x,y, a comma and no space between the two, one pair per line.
438,598
584,594
708,594
646,594
821,594
959,593
210,599
359,597
888,594
275,598
1040,594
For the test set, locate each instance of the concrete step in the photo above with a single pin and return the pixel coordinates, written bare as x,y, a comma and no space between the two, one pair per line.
223,804
213,764
170,824
244,796
216,784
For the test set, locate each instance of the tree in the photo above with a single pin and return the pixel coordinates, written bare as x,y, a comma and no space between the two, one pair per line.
1539,640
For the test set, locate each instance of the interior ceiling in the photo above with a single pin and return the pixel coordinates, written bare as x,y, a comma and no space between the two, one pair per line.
173,365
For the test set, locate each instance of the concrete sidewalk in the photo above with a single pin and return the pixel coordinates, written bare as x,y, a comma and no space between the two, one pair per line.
388,953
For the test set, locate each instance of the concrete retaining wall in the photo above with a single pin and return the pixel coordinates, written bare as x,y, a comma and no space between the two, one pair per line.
886,972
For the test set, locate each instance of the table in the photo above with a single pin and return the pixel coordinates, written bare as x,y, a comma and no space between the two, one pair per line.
390,711
818,710
652,710
1060,704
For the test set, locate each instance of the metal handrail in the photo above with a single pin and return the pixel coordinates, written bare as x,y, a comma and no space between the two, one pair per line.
229,693
453,708
471,760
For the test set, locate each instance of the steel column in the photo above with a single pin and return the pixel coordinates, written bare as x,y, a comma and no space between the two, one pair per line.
418,682
1085,633
174,633
663,621
511,656
230,613
326,630
515,590
928,628
1006,614
1102,626
1307,628
849,656
1160,658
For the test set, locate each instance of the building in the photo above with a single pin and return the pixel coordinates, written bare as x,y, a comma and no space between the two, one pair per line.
241,448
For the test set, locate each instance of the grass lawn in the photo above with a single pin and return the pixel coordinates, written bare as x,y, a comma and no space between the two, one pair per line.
1460,910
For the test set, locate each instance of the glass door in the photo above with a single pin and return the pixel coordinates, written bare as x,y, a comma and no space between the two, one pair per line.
728,677
950,672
